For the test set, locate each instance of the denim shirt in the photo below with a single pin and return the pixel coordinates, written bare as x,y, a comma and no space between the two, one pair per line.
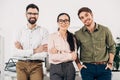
95,46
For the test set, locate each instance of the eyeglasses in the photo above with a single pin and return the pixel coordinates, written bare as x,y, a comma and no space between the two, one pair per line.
29,13
63,21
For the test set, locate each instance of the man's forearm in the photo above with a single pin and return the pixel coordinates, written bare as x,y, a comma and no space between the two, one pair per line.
78,62
111,57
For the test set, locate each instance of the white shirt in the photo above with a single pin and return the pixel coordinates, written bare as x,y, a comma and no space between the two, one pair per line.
31,39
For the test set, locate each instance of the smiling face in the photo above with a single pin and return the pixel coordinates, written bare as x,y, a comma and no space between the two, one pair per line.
32,15
63,22
86,18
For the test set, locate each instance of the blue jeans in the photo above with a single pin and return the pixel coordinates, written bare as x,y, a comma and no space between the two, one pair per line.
95,72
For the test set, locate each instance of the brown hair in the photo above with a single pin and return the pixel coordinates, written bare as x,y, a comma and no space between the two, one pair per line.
84,9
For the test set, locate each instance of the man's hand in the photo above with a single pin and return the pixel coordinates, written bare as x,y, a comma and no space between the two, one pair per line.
110,62
109,66
45,48
41,48
80,66
18,45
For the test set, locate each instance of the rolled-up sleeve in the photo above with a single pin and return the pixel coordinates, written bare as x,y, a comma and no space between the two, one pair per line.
110,42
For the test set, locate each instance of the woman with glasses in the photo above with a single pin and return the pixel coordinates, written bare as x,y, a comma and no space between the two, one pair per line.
62,51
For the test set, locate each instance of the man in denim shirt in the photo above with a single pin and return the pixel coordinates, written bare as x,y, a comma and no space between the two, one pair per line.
97,48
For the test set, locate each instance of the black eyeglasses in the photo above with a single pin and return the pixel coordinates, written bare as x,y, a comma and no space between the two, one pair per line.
63,21
29,13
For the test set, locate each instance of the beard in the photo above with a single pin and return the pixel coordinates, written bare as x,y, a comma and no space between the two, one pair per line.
32,20
88,22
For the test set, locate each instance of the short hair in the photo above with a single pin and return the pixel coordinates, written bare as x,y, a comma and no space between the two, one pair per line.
63,14
32,6
84,9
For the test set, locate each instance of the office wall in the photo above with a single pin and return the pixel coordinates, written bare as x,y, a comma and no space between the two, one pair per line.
1,57
12,16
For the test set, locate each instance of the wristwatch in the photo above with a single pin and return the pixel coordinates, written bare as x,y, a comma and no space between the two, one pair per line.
109,63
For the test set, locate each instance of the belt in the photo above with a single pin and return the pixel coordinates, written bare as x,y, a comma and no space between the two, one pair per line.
62,63
33,61
66,62
97,63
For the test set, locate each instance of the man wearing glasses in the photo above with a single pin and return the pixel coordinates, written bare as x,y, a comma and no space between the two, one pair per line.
31,46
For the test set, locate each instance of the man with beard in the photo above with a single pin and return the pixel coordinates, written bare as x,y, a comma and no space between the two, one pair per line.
31,44
97,48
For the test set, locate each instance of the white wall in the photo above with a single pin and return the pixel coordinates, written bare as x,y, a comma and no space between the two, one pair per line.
1,57
12,15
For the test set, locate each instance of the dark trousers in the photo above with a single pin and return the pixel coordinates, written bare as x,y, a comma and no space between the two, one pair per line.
62,71
95,72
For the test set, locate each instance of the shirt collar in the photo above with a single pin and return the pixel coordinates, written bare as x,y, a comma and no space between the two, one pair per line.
27,28
58,33
96,28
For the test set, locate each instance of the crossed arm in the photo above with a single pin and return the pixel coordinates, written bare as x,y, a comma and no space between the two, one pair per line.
41,48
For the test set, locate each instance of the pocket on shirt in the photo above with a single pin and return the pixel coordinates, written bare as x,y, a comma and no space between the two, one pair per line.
86,44
100,42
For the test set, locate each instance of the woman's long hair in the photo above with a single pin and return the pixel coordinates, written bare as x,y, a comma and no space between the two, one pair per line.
70,40
70,37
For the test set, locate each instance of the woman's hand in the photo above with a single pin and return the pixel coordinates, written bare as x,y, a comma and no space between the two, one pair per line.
53,50
74,55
